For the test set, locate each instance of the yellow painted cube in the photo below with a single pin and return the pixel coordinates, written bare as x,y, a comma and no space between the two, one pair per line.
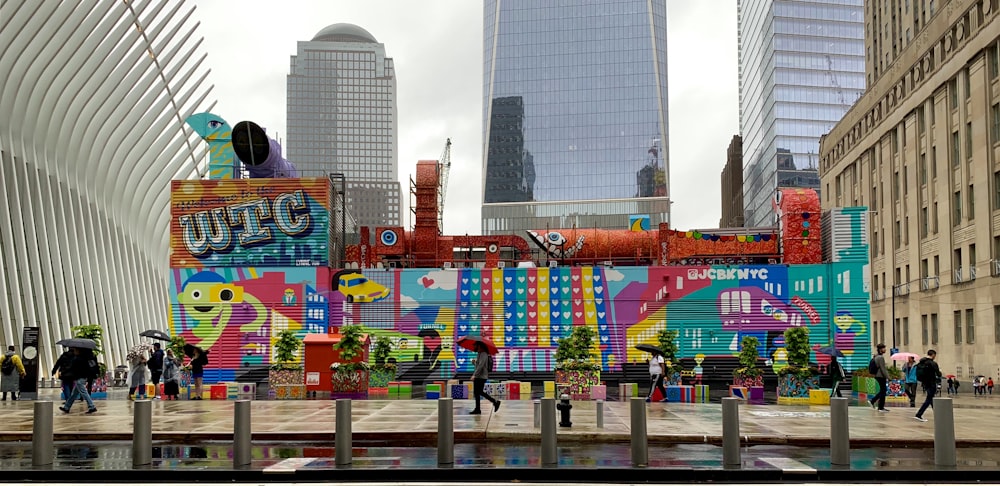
819,397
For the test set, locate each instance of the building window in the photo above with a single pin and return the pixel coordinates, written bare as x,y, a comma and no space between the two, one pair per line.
906,331
953,94
934,217
956,208
933,160
970,326
937,266
923,328
896,239
968,141
972,255
995,126
968,84
996,323
923,223
958,327
972,203
934,329
924,268
994,60
956,151
923,169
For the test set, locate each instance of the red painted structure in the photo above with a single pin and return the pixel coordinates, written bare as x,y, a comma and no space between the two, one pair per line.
796,240
320,352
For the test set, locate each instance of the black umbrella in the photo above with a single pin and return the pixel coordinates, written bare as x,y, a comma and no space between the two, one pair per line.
155,334
649,348
830,350
82,343
189,350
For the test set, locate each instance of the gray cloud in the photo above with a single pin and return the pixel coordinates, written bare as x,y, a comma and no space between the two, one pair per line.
437,49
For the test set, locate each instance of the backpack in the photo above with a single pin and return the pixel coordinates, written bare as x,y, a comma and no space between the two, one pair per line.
872,367
924,372
8,365
491,365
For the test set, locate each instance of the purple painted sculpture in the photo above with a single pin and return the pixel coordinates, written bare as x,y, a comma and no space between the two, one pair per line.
260,153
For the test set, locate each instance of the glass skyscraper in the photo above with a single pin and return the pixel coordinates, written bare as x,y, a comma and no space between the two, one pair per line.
574,114
802,66
342,119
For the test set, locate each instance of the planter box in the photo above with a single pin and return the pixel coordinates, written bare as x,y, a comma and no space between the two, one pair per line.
748,382
380,378
286,377
349,384
577,383
790,386
289,392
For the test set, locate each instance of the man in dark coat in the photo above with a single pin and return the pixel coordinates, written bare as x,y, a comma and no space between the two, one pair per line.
928,377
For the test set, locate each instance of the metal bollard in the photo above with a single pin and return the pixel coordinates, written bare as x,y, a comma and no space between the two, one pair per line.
600,414
41,435
537,405
640,448
550,456
731,432
840,433
944,433
241,434
142,433
446,431
343,443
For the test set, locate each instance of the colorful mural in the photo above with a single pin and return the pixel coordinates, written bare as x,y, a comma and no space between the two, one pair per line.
250,222
526,310
237,313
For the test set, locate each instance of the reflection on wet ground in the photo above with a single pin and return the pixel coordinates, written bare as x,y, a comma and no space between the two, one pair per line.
218,456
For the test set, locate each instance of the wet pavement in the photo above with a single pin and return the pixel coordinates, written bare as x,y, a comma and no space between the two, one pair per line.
294,440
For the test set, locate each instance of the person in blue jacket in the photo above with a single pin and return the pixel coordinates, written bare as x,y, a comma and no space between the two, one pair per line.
910,369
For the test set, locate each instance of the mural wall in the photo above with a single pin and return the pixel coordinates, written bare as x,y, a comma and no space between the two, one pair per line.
526,310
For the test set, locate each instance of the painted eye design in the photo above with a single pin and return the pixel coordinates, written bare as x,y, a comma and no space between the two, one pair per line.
388,238
196,294
556,238
213,124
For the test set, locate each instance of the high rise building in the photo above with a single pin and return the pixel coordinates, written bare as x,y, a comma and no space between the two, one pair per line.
342,119
920,149
801,68
732,185
574,114
93,98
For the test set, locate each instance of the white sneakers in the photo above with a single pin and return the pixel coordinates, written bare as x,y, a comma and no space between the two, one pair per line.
919,419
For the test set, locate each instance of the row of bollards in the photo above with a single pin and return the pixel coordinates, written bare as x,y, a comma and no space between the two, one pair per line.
544,418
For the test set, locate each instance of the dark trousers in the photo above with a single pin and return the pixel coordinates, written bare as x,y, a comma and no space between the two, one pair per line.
67,388
911,393
879,399
478,390
154,376
835,389
656,382
929,401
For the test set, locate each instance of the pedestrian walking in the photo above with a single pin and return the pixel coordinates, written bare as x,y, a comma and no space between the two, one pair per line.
171,376
156,369
877,368
63,368
83,366
989,385
199,358
657,370
479,377
928,374
910,370
137,376
951,386
837,375
11,372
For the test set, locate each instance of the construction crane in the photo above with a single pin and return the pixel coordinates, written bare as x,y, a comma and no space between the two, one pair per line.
444,166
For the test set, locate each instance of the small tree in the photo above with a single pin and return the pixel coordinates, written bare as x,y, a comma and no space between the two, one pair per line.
95,333
350,347
284,351
176,346
797,346
383,348
574,352
670,349
748,358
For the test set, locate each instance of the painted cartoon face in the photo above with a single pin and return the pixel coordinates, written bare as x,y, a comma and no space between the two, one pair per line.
205,301
699,358
844,320
555,244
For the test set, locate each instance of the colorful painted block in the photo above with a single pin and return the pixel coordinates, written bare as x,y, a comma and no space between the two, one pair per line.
674,393
599,392
513,390
405,391
246,396
378,393
248,389
701,394
289,392
354,381
819,397
496,390
686,393
549,389
740,392
380,378
578,381
218,391
525,390
433,391
756,394
461,391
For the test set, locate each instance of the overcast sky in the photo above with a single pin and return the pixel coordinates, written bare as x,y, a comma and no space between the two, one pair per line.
437,48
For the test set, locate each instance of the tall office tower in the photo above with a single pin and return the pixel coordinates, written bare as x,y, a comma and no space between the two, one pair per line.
732,185
93,97
920,150
801,69
342,119
574,114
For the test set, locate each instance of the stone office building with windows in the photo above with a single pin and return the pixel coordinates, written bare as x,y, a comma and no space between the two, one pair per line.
921,149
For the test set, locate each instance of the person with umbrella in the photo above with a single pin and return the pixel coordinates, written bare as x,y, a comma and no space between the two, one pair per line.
199,358
62,366
910,370
84,366
657,370
484,349
137,372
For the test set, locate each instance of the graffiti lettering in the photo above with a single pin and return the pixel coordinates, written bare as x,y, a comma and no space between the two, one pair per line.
211,229
807,308
727,274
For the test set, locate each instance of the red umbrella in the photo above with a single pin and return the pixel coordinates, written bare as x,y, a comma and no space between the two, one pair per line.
469,342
